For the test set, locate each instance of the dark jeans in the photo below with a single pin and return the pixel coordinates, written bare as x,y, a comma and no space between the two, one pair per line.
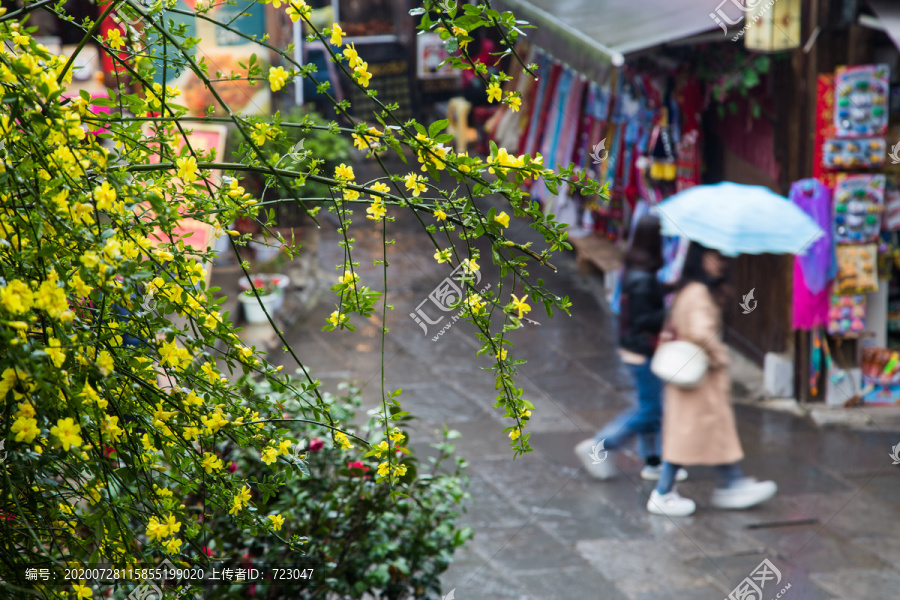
728,474
644,420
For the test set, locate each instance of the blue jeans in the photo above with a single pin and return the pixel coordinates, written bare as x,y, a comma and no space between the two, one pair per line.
728,474
643,420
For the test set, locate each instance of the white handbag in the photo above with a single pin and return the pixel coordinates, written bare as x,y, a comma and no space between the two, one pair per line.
680,363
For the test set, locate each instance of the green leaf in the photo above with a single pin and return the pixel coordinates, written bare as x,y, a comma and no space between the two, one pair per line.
437,127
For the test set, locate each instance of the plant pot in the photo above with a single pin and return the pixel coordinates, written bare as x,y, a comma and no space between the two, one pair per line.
253,312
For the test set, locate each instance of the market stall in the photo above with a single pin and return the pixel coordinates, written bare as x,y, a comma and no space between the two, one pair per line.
847,292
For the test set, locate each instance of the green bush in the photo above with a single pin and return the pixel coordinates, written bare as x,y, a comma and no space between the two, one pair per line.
362,540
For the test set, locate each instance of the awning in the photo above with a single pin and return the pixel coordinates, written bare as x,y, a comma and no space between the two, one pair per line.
889,16
592,34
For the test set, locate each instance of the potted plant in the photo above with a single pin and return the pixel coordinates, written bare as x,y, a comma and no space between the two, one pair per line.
281,283
270,298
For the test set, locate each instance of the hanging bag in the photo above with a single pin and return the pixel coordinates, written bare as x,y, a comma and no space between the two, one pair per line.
679,363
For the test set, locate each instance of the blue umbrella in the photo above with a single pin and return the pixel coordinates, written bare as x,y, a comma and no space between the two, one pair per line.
738,219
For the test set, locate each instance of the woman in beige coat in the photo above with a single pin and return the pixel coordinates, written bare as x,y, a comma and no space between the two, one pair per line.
698,423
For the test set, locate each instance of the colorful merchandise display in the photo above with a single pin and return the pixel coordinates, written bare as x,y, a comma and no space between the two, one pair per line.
881,375
861,97
854,154
857,269
858,200
847,314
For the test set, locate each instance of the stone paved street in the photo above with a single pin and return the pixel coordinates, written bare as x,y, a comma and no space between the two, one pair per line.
544,529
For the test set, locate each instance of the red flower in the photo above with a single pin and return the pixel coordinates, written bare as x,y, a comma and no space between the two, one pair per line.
232,467
357,465
108,450
207,551
316,444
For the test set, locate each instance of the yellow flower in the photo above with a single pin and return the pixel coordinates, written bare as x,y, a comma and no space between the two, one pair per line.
380,187
259,136
514,103
191,433
114,39
278,76
25,429
56,355
349,279
171,525
382,448
111,428
80,287
211,462
82,591
414,183
214,422
514,434
52,299
352,56
494,92
171,354
475,303
105,195
337,318
469,265
396,435
344,173
270,455
400,470
505,159
173,546
362,74
156,530
377,211
442,256
244,495
337,35
187,168
342,440
25,409
68,432
297,9
236,507
277,522
503,219
148,445
440,215
16,297
105,363
383,469
520,305
503,354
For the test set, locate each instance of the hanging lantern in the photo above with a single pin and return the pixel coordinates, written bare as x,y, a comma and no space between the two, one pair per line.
772,25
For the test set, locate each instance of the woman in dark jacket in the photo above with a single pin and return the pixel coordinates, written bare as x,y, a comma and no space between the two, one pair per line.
641,319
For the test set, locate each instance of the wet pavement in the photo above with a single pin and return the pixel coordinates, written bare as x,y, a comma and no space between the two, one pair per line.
544,528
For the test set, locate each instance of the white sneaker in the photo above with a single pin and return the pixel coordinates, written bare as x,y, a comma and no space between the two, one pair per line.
670,505
652,473
744,493
597,462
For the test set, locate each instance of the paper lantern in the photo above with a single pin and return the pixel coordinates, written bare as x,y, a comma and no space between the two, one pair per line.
772,25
